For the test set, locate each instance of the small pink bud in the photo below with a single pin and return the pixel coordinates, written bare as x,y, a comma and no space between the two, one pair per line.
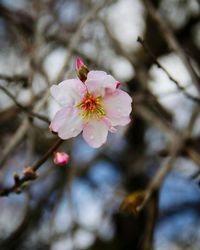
29,172
81,69
61,158
118,84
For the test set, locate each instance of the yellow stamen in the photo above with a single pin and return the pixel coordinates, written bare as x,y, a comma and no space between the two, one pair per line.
91,107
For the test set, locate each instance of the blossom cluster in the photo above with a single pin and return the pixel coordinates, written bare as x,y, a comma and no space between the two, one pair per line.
92,104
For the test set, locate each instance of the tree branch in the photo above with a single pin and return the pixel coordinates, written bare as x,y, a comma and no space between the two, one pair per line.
20,181
23,108
178,85
172,41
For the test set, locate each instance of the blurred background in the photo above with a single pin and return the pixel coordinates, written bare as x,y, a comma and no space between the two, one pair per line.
78,206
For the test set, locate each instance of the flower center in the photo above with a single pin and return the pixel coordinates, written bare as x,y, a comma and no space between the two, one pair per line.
91,108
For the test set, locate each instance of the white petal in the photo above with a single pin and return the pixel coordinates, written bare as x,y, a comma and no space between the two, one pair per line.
67,123
60,118
110,82
120,121
71,126
109,125
95,87
95,133
117,106
96,74
68,92
98,81
94,82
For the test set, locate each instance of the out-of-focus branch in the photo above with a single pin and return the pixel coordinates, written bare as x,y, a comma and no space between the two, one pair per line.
155,121
162,172
33,213
168,130
177,144
192,121
118,47
192,154
16,138
152,212
15,78
178,85
20,181
23,108
20,19
172,41
73,43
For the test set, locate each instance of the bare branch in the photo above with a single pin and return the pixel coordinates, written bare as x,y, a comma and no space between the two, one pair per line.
20,181
178,85
16,138
172,41
23,108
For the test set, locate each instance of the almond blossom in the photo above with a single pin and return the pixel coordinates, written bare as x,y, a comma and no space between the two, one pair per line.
93,106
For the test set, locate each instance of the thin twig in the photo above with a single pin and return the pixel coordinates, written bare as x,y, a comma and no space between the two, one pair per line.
168,130
16,138
171,40
76,37
178,85
23,108
15,78
20,181
160,175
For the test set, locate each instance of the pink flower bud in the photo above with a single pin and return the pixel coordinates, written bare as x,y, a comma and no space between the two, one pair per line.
118,84
29,172
79,63
61,158
81,69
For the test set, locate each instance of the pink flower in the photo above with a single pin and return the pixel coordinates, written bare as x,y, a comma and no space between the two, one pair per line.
60,158
93,107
